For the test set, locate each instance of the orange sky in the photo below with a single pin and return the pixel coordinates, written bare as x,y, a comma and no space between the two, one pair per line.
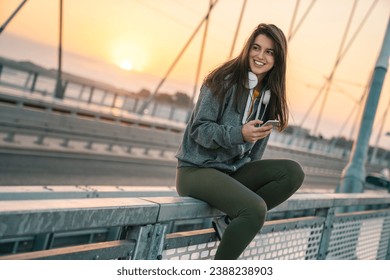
149,35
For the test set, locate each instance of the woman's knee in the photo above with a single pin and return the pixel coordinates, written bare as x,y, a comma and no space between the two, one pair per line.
255,213
293,172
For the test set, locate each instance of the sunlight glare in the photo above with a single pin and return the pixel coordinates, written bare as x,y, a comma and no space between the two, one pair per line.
126,65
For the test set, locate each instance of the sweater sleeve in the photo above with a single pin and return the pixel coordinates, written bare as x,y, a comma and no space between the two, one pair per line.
205,129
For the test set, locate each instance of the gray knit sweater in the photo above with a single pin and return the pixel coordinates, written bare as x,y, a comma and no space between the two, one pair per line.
213,136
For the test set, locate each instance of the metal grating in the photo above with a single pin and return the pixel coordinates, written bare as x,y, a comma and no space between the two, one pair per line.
343,240
359,238
368,240
385,240
204,251
295,244
301,243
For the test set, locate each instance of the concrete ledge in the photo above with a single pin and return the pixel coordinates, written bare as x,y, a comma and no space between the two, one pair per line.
315,201
24,217
28,217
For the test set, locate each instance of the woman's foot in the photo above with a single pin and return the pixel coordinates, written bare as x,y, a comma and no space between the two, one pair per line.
220,224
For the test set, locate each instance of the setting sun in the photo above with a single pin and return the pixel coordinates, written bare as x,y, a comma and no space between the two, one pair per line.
126,65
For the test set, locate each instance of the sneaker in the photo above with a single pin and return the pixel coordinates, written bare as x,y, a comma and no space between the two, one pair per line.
220,224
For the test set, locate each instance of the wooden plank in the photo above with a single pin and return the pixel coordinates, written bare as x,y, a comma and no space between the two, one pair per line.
97,251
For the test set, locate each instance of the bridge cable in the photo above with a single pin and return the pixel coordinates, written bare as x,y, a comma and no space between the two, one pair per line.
143,107
12,16
330,78
292,31
191,102
238,28
339,58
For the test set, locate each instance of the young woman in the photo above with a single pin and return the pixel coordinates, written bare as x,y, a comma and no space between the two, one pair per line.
219,160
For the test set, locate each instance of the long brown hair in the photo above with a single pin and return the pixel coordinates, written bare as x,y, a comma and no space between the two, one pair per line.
235,73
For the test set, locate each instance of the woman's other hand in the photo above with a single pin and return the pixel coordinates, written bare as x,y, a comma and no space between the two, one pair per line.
252,131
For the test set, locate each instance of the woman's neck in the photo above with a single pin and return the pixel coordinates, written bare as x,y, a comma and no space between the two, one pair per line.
260,82
259,86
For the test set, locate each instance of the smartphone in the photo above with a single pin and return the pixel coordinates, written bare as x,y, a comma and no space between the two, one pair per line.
272,122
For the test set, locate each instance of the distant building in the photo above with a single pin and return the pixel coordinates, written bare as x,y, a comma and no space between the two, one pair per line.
297,130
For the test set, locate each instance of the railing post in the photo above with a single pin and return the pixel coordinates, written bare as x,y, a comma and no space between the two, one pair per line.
326,232
114,100
65,143
34,81
135,105
41,241
156,243
154,110
81,92
88,146
64,88
90,95
171,112
10,137
40,140
149,242
27,80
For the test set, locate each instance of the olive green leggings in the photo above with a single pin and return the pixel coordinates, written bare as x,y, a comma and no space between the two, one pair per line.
245,196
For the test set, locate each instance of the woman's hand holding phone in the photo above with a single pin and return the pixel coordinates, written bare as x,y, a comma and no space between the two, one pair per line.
254,130
271,122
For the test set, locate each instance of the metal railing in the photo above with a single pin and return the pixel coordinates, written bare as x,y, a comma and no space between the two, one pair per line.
38,81
26,116
307,226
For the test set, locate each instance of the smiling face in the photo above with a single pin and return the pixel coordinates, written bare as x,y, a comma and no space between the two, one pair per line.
261,56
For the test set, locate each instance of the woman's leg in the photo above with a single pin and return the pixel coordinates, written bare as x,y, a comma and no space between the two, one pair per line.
274,180
219,190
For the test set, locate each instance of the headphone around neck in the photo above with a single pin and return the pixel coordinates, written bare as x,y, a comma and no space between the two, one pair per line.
265,98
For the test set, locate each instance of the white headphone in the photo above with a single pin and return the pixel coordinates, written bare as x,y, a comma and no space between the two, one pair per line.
252,81
265,98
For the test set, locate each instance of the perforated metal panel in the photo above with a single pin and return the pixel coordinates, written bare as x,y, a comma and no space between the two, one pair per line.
359,238
343,240
368,240
301,243
385,240
204,251
296,244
